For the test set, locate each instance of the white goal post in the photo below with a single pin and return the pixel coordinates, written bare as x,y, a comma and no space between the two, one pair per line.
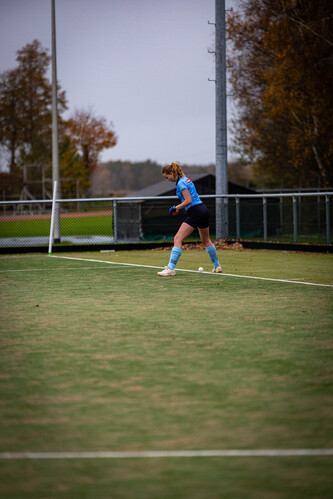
52,215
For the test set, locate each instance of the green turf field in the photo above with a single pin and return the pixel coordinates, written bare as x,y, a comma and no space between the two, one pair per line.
98,356
98,225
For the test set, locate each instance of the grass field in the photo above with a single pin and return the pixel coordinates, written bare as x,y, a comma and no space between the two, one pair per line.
100,356
97,225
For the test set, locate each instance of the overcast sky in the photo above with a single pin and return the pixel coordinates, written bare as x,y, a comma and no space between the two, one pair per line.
142,64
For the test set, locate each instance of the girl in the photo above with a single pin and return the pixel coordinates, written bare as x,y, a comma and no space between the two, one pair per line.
197,217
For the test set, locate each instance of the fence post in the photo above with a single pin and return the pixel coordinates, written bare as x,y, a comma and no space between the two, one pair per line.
327,208
237,219
264,207
318,213
226,211
115,222
281,215
295,218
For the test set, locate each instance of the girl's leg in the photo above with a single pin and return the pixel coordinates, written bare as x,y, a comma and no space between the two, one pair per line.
205,237
184,231
210,248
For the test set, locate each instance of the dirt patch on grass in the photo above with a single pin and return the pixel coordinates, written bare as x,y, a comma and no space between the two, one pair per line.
219,244
104,356
45,421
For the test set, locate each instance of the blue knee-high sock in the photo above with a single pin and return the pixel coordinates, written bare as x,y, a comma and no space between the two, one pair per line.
174,257
213,255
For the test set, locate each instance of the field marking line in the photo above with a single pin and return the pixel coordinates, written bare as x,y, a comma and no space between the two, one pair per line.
279,280
165,453
195,271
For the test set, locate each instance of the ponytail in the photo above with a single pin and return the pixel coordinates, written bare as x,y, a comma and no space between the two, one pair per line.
175,169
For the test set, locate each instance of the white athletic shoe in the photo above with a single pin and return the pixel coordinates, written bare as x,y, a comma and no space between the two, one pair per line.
166,272
217,270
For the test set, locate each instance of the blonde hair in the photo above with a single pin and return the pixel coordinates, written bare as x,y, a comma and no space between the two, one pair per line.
175,169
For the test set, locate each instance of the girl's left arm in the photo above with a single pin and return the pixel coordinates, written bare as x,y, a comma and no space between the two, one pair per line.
187,200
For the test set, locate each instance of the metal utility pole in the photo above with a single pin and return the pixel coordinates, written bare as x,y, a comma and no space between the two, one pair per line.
221,120
55,139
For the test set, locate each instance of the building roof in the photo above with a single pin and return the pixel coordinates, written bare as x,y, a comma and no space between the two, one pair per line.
165,188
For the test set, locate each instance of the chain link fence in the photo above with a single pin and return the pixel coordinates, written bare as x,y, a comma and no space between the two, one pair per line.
291,217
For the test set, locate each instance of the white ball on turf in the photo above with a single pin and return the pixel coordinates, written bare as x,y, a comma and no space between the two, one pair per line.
200,269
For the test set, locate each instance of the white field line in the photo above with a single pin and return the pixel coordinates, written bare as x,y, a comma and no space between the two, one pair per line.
196,271
168,454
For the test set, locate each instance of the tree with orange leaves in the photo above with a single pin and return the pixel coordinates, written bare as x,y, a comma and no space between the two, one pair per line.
90,135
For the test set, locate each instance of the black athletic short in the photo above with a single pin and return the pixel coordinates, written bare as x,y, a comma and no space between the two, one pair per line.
197,216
